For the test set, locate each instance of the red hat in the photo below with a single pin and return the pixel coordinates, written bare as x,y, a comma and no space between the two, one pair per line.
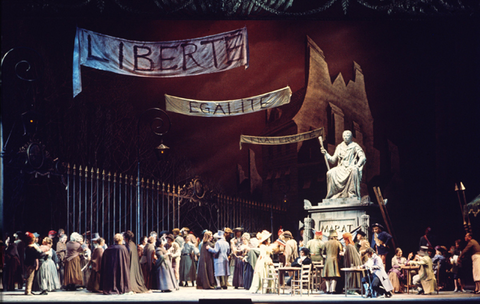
30,237
52,232
318,233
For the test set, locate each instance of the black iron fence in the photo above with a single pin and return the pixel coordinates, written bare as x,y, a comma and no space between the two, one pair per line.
106,202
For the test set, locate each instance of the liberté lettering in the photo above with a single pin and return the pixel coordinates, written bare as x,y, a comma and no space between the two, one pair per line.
158,57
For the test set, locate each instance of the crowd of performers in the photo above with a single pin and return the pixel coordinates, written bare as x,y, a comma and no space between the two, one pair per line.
235,258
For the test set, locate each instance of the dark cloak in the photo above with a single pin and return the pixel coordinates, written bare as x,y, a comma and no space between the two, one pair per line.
12,271
137,283
115,277
205,276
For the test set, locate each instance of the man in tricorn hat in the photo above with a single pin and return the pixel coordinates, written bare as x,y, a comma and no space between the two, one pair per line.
380,241
331,252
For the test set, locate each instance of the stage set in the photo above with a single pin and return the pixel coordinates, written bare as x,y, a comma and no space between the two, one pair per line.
325,118
191,295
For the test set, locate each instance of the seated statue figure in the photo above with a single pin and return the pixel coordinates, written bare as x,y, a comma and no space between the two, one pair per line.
344,179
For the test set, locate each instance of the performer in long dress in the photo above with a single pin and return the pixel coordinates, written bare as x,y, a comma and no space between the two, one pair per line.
163,269
61,250
264,261
221,263
238,253
96,264
250,259
206,274
73,269
147,263
46,275
187,262
175,252
344,179
137,282
351,258
395,274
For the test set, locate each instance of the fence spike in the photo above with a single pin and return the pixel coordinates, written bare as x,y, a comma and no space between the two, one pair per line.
80,170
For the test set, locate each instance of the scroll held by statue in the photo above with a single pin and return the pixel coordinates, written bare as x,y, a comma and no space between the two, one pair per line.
280,140
179,58
241,106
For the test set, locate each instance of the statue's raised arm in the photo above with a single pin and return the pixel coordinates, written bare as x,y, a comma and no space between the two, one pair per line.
344,179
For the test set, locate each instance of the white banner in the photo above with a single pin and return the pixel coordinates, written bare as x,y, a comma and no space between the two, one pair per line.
178,58
280,140
248,105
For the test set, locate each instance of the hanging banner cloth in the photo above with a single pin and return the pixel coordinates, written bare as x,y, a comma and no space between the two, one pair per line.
280,140
242,106
210,54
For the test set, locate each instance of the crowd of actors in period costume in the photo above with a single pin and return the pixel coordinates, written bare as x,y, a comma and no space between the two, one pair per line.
235,258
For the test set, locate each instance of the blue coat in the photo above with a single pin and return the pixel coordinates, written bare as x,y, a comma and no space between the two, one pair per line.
220,254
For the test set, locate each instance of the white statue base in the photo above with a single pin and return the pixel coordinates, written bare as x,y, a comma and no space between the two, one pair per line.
340,214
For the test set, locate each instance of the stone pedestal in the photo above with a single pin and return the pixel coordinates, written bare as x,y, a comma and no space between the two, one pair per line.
340,214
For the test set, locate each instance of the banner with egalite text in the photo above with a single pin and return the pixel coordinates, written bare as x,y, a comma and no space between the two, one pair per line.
235,107
210,54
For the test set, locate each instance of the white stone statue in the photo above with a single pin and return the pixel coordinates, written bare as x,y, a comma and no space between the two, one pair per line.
344,179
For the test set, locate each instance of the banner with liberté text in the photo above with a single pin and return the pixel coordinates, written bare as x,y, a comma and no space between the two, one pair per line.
226,108
197,56
280,140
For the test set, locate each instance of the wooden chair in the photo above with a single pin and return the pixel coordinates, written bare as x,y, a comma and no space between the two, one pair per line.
316,276
270,281
303,279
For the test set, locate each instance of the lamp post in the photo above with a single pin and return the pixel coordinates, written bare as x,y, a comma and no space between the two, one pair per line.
160,125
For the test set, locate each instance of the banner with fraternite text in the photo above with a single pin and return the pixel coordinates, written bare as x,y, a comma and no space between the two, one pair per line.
235,107
178,58
280,140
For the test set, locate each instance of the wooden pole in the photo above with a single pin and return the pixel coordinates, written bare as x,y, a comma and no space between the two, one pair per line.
378,194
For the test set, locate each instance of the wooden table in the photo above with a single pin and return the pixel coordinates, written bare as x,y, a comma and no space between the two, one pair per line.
281,275
408,269
353,270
